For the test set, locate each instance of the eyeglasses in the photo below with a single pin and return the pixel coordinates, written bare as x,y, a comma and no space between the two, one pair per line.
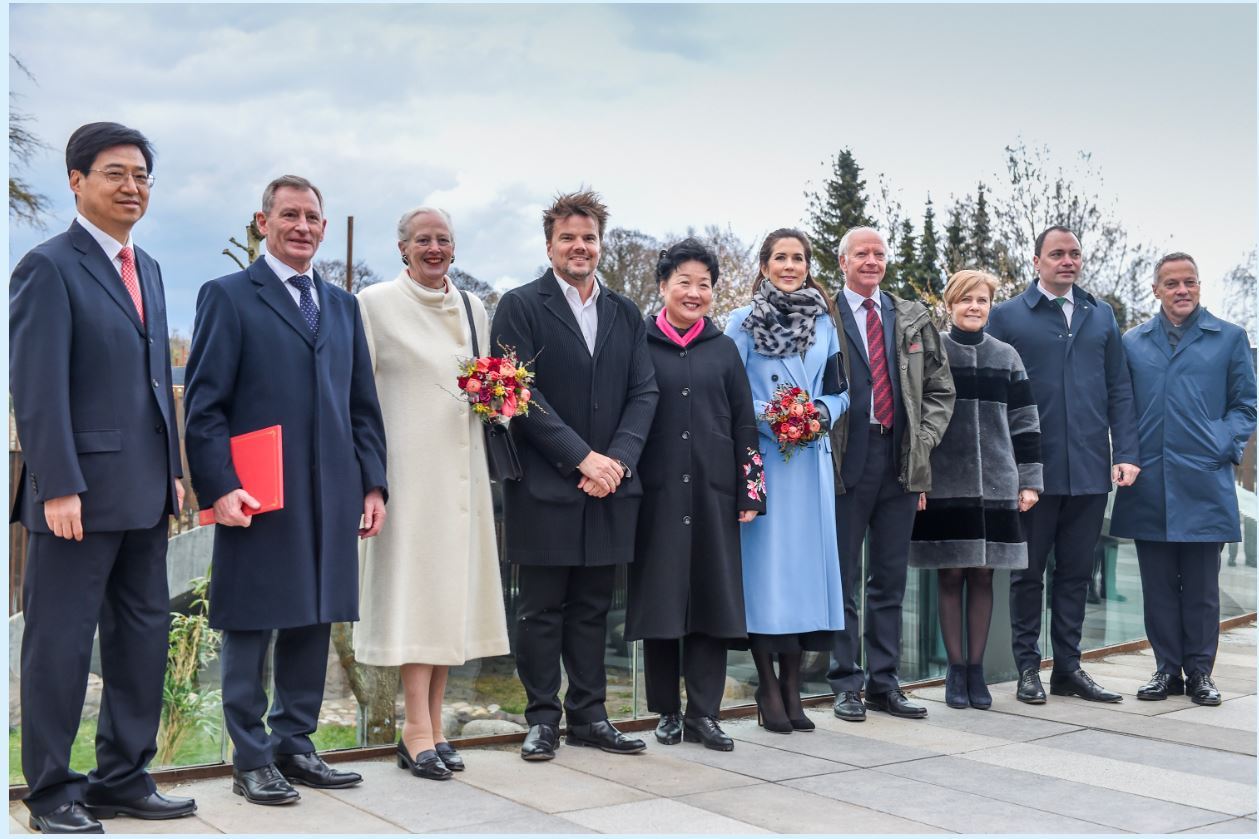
115,178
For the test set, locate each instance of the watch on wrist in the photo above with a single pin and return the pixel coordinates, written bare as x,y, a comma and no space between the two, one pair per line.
625,469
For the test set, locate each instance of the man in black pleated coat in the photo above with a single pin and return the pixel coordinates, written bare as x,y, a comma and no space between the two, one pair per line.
571,520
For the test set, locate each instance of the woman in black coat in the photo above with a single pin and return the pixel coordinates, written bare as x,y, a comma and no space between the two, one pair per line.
702,476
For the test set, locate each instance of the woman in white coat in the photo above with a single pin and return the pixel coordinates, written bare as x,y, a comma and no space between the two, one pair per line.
431,594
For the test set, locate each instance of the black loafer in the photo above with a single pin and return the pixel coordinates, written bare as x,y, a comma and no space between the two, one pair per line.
896,703
1030,689
151,806
848,706
603,735
264,785
310,769
1081,684
450,757
71,817
705,730
1202,691
540,743
669,729
427,764
1161,686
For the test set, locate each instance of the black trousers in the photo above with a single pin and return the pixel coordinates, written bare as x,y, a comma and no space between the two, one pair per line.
700,659
562,614
299,666
1180,582
879,504
1070,526
119,581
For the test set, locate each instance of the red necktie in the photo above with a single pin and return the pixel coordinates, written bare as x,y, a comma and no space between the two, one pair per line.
882,384
128,260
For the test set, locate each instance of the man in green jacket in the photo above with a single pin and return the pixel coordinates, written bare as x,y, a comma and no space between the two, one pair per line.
902,398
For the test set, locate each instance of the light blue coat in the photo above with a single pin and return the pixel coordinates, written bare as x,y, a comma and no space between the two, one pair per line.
791,578
1196,410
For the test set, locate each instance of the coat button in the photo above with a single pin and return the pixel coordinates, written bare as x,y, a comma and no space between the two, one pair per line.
686,479
686,391
686,520
774,378
686,435
682,354
155,384
150,342
159,428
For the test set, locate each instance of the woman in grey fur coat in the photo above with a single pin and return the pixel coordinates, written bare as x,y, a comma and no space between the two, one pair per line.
985,471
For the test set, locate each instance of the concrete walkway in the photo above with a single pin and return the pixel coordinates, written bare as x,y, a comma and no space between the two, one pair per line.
1067,767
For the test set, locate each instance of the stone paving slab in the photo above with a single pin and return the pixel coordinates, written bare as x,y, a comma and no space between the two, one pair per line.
851,749
1125,682
1230,797
754,760
1196,760
662,775
1244,826
1239,681
316,812
530,824
659,816
546,786
916,734
1119,810
784,810
1008,727
1003,700
950,809
1233,714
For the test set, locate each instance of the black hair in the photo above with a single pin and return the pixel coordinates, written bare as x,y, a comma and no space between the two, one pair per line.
688,249
1056,228
90,140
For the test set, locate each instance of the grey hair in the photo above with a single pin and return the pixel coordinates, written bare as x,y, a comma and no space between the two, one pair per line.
292,181
404,223
1174,256
842,250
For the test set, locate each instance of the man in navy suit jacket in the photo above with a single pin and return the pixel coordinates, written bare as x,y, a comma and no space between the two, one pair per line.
275,345
1070,344
90,377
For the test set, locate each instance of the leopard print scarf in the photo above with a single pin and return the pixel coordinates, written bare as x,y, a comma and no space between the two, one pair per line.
784,324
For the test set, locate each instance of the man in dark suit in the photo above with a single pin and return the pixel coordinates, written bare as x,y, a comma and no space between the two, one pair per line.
90,377
1070,344
902,400
275,345
572,519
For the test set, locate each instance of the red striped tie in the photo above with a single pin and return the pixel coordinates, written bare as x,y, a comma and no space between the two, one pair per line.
883,408
129,279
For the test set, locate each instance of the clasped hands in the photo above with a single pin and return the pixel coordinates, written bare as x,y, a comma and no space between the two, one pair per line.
600,475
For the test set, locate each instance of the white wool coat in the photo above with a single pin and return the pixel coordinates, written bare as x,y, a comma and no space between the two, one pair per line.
429,581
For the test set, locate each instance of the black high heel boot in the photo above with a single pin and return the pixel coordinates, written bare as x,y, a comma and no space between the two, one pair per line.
769,710
789,683
977,687
955,695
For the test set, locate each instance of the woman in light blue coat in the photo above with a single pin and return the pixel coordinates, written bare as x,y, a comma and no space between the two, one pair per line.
791,577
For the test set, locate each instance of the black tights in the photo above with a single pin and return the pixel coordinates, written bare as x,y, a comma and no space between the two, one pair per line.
781,690
978,583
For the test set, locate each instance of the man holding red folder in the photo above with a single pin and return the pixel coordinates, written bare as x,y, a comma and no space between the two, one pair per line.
275,345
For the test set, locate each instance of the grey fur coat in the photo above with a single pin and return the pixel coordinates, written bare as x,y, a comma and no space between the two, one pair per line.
989,452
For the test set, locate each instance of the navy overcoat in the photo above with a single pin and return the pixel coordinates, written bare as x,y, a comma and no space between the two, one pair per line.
1081,385
253,364
1196,411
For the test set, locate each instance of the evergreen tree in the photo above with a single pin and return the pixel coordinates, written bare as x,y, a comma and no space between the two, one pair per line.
836,209
955,243
981,251
929,270
902,277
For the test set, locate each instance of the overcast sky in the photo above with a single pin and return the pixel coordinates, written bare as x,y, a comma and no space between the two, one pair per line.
679,115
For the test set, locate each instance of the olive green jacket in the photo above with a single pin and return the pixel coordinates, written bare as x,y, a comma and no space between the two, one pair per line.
926,389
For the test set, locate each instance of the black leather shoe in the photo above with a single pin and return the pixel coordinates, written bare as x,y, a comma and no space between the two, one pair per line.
540,743
1030,690
848,706
896,703
264,785
603,735
955,695
71,817
705,730
669,729
1202,690
151,806
450,757
427,764
310,769
1081,684
1161,686
977,687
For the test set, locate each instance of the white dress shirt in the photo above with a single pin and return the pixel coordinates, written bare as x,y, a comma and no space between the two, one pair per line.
111,246
587,313
285,272
856,303
1068,307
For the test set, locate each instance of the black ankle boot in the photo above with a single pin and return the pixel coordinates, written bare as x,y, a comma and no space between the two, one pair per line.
955,695
977,687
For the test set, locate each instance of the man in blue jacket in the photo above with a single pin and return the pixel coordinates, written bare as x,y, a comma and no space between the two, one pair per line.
1071,346
1194,378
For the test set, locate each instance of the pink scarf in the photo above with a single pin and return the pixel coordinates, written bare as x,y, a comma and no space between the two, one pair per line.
672,334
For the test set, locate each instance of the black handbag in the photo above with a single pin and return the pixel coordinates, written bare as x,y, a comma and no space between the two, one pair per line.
500,449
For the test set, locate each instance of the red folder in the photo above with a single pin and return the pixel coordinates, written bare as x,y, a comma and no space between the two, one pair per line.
258,457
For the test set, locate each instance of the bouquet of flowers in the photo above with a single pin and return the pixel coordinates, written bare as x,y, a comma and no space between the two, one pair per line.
497,387
793,418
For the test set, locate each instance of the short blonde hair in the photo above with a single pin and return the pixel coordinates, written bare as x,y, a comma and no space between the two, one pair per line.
965,281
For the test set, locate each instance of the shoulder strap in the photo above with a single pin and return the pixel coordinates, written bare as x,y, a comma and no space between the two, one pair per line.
467,307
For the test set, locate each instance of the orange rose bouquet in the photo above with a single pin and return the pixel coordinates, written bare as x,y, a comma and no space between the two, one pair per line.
793,418
497,387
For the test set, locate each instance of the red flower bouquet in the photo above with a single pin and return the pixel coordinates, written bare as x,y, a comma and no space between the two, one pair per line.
497,387
793,418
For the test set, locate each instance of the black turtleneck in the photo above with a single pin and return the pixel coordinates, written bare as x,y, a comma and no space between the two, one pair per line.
961,336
